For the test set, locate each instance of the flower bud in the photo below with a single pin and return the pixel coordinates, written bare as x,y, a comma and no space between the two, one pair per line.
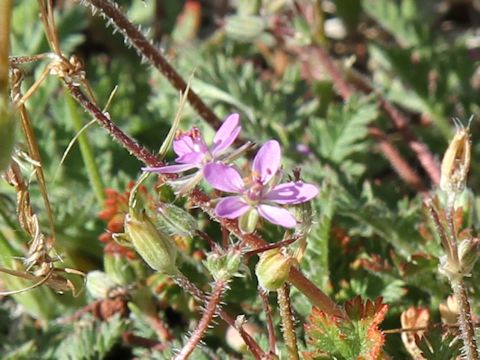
224,266
456,162
99,284
176,221
273,269
155,247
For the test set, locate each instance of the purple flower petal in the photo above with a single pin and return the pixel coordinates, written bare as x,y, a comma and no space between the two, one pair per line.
267,161
191,158
190,142
170,169
183,145
226,134
231,207
277,215
292,193
223,177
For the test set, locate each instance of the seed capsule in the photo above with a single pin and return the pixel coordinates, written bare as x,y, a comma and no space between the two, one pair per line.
456,162
273,269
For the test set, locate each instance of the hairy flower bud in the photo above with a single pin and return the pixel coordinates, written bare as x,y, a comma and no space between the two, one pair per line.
273,269
176,221
155,247
224,266
456,162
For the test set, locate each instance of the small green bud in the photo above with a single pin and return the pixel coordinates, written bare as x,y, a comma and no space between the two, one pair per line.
224,265
99,284
154,246
176,221
273,269
248,221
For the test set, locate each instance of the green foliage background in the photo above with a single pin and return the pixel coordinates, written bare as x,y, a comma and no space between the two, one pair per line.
364,212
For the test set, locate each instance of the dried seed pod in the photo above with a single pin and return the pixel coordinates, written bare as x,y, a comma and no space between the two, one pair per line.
456,162
155,247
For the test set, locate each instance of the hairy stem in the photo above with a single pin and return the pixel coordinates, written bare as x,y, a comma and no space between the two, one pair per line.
211,309
137,150
182,281
86,151
296,278
465,322
149,52
288,328
272,341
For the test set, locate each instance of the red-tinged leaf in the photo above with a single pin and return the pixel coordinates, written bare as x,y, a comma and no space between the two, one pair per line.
359,337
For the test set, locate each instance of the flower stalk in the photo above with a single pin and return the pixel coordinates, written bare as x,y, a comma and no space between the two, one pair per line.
255,349
147,51
288,326
458,261
211,310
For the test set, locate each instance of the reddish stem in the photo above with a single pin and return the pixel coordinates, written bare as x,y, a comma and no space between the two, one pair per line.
272,340
425,157
399,164
211,310
149,52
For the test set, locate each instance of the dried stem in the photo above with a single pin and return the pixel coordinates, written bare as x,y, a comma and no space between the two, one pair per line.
182,281
211,310
149,52
288,327
272,340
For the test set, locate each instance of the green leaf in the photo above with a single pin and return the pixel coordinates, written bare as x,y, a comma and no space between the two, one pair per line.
359,336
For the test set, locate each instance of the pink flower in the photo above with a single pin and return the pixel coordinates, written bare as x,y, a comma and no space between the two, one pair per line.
260,194
193,153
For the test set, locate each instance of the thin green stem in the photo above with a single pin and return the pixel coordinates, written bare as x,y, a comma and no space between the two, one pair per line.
86,151
288,328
